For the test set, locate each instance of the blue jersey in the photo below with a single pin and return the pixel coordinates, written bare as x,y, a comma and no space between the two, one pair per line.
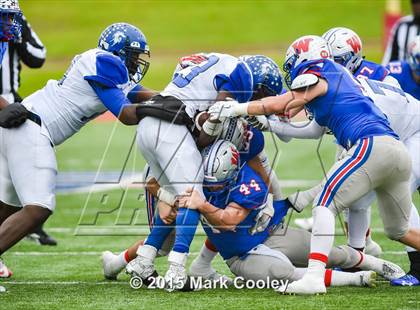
249,192
253,146
344,109
371,70
401,70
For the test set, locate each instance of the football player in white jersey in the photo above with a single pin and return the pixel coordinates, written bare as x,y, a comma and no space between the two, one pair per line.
100,79
165,140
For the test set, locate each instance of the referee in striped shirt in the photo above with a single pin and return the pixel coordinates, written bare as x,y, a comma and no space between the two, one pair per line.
403,32
27,49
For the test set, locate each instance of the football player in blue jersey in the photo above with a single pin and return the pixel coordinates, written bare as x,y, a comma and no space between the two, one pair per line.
346,48
236,196
407,72
164,131
359,127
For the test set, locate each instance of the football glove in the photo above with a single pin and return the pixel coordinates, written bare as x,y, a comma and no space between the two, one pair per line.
263,217
259,122
13,115
229,108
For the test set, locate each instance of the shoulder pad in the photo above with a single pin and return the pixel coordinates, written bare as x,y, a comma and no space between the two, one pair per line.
304,80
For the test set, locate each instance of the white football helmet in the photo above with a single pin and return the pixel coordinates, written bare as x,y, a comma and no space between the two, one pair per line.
346,47
414,55
221,162
303,49
234,130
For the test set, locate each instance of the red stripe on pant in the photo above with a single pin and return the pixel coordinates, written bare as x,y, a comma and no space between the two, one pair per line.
345,170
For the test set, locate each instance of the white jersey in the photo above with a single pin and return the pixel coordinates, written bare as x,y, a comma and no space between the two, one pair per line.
401,109
65,106
198,85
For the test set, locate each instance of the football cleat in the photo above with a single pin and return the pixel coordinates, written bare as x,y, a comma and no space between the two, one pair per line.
4,271
407,280
372,248
175,278
305,223
390,271
42,237
141,267
110,268
308,285
367,278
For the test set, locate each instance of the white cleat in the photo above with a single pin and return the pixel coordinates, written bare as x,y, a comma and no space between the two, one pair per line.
175,278
4,271
308,285
367,278
372,248
110,268
305,223
140,267
390,271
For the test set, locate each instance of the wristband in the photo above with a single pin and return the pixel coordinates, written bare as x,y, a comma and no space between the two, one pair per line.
241,109
166,196
212,129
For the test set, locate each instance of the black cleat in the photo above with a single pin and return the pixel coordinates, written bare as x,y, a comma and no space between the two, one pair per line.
42,238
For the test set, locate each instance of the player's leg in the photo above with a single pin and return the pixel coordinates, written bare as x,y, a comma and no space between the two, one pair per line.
32,168
180,161
346,182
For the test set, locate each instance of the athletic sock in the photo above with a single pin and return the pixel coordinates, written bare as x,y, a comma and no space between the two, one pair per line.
186,225
414,258
202,263
159,233
322,238
339,278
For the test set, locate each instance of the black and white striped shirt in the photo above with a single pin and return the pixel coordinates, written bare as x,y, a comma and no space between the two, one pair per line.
402,33
29,50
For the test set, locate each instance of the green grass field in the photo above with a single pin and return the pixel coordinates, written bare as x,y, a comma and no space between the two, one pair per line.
69,276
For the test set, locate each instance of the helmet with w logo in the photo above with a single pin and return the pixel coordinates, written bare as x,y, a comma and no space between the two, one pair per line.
304,49
346,47
221,164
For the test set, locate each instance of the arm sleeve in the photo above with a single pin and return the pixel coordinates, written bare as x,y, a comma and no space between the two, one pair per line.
110,71
300,130
112,98
30,49
238,83
132,95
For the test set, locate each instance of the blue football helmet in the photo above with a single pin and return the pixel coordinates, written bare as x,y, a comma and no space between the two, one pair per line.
129,43
10,14
266,75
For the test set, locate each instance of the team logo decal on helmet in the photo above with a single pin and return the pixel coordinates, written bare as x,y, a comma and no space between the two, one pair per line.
129,43
346,47
304,49
266,74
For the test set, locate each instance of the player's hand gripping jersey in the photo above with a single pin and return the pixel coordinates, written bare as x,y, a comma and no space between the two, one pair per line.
65,106
249,192
344,109
402,72
198,84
